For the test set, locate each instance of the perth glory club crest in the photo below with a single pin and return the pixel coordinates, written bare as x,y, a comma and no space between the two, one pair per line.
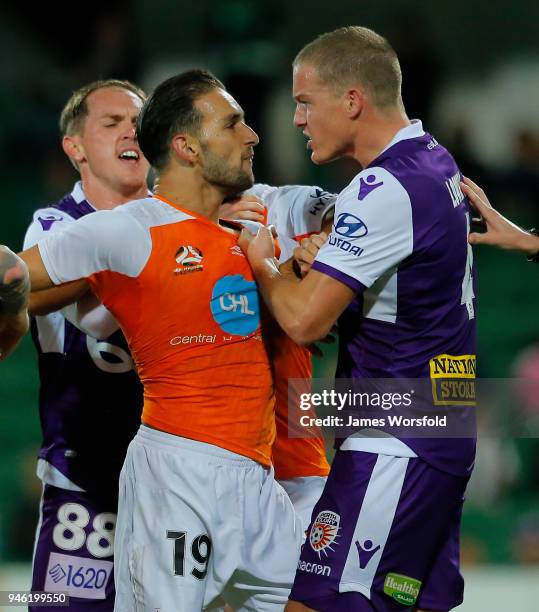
324,531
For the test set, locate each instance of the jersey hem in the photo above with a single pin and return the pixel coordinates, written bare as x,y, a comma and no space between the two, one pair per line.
259,457
303,474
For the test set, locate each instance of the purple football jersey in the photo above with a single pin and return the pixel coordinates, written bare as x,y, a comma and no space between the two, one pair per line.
90,398
400,241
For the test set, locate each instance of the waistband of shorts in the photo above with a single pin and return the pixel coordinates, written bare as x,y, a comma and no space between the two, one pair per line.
159,439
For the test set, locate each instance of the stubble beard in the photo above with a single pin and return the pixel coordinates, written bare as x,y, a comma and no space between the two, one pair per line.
231,180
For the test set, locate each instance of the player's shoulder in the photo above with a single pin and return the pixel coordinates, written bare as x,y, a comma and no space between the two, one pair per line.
152,212
68,208
48,215
375,185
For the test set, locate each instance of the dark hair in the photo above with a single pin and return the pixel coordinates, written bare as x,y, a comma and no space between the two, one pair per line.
76,108
170,110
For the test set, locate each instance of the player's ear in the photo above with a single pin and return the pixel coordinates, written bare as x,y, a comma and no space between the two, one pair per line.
186,147
73,149
354,100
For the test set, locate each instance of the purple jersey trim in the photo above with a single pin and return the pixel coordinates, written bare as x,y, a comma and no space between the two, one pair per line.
347,280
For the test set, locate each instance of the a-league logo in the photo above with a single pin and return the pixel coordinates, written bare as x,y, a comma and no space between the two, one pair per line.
324,531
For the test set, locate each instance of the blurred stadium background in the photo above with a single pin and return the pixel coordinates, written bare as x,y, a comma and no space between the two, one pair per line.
471,72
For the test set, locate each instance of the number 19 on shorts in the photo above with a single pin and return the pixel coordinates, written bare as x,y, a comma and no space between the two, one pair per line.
200,553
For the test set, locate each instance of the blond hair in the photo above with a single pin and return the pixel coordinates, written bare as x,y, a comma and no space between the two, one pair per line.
76,109
355,55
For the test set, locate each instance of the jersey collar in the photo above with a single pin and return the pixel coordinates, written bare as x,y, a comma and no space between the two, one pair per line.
79,196
78,193
414,130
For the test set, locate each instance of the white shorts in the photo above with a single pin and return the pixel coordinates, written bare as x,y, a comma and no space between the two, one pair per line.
196,522
304,492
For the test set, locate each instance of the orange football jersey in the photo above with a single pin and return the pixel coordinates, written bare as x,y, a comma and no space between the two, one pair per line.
184,295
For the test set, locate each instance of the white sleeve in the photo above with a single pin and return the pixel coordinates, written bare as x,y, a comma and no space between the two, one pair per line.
46,221
105,240
91,317
372,232
296,210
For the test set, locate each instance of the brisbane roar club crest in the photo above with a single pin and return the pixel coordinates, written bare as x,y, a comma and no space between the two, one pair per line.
324,531
189,259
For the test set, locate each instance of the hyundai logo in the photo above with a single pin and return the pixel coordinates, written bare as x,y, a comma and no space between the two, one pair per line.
350,226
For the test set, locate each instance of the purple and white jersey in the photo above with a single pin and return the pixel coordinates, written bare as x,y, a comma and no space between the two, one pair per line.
90,397
296,211
400,241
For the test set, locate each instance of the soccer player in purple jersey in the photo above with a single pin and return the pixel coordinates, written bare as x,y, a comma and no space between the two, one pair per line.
397,273
90,397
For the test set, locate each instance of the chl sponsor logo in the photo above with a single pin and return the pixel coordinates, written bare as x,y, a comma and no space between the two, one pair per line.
368,185
314,568
235,305
189,259
324,532
345,245
350,226
453,379
401,588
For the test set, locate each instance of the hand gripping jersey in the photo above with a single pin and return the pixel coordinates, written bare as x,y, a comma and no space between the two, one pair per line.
90,397
400,241
296,212
184,296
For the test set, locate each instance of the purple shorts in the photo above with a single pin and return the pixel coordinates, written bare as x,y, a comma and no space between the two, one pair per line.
384,537
74,548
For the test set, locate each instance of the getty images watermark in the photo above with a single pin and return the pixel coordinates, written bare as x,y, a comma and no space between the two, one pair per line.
426,407
363,400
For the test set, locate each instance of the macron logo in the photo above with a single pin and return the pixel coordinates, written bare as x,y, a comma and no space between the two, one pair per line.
368,185
48,220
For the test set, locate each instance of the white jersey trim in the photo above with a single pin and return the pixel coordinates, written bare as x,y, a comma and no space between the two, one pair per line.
414,130
50,475
373,229
374,522
377,441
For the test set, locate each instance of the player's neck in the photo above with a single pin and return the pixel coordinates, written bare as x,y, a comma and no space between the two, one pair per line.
190,192
376,132
103,197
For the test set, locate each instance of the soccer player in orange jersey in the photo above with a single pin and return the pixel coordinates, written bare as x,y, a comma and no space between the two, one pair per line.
198,502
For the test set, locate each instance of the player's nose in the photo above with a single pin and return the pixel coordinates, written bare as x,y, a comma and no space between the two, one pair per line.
299,115
251,136
130,131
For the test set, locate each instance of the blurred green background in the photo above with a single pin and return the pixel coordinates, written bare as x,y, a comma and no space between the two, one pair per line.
471,72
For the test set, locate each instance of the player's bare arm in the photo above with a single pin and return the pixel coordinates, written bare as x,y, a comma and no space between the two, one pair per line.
14,290
14,283
39,277
500,231
51,300
307,309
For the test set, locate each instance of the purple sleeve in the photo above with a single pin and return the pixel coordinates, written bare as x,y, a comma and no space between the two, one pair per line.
347,280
